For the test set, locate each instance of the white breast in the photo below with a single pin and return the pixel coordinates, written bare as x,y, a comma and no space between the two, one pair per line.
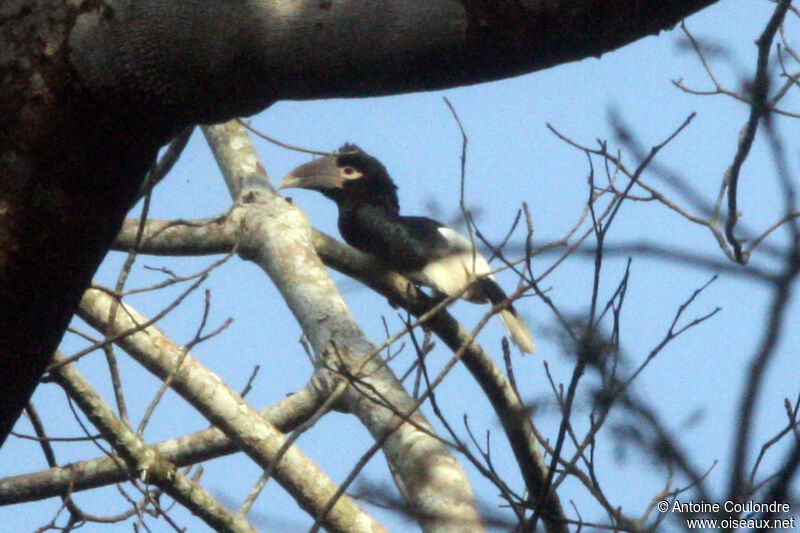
450,274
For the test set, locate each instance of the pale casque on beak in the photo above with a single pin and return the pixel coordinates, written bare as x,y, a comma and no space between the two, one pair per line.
319,174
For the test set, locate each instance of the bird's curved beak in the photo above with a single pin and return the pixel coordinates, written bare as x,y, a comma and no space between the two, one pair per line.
318,174
289,181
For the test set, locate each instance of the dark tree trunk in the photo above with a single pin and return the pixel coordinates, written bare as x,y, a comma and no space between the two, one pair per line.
90,91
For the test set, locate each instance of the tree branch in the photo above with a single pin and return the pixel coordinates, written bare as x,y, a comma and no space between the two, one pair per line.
277,237
225,409
91,90
183,451
142,460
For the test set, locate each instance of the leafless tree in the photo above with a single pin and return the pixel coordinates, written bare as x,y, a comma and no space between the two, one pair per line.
129,76
92,91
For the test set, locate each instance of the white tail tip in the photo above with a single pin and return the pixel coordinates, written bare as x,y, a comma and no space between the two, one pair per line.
518,331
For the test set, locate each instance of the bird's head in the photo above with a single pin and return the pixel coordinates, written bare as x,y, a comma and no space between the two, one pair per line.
347,175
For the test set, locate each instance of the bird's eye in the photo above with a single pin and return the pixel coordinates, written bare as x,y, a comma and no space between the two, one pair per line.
348,170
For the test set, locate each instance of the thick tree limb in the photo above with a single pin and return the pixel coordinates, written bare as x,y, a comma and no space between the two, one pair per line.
205,391
221,236
144,460
91,89
276,236
223,59
183,451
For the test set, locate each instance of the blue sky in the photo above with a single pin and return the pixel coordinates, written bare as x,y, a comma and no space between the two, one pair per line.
512,157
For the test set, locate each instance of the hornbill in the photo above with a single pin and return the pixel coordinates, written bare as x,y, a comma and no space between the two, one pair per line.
425,251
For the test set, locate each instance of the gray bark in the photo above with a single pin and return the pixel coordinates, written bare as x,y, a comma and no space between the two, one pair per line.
277,237
206,392
92,89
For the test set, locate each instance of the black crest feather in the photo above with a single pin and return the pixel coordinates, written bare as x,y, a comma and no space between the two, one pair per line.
349,147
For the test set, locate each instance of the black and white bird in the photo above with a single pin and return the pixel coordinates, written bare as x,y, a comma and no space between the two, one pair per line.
424,250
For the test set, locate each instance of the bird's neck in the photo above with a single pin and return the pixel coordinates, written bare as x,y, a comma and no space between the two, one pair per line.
355,216
375,203
375,192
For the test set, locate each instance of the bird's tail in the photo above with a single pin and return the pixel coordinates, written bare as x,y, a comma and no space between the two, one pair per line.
518,330
513,322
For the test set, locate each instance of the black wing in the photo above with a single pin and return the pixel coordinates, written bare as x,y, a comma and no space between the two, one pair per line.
404,243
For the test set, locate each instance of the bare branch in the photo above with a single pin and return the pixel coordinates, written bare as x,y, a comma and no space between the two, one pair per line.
225,409
757,111
183,451
276,236
142,460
